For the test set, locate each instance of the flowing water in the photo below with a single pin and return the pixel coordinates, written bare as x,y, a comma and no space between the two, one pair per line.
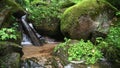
29,30
31,51
26,40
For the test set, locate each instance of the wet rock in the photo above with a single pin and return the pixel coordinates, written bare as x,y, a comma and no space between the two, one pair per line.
97,65
80,20
42,62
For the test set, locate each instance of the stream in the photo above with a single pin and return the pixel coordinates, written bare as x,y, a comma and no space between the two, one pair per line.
40,56
31,50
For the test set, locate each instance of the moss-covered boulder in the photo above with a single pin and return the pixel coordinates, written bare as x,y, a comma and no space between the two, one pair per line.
80,20
51,28
10,54
67,4
9,47
10,61
46,18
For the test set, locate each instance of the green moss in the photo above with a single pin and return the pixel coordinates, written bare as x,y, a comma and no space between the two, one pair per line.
14,5
8,47
37,2
91,8
67,4
71,14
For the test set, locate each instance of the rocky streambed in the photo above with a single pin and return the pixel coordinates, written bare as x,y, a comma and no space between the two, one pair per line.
40,57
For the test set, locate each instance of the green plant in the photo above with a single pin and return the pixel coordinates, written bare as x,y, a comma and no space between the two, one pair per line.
44,13
63,45
114,36
118,13
113,39
81,50
7,33
111,45
84,51
75,1
101,43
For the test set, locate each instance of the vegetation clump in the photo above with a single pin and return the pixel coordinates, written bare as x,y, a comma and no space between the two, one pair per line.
81,51
111,45
8,33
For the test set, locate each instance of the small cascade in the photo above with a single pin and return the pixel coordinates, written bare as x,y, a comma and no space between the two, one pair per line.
26,40
30,31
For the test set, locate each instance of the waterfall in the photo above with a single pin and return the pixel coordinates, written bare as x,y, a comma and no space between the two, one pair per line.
29,31
26,40
30,35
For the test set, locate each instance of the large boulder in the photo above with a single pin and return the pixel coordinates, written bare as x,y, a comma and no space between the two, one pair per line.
10,54
46,18
10,61
49,28
86,17
9,47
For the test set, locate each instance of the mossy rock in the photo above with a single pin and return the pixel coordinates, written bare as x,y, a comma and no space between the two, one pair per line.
14,5
49,28
9,47
10,54
67,4
80,20
11,60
